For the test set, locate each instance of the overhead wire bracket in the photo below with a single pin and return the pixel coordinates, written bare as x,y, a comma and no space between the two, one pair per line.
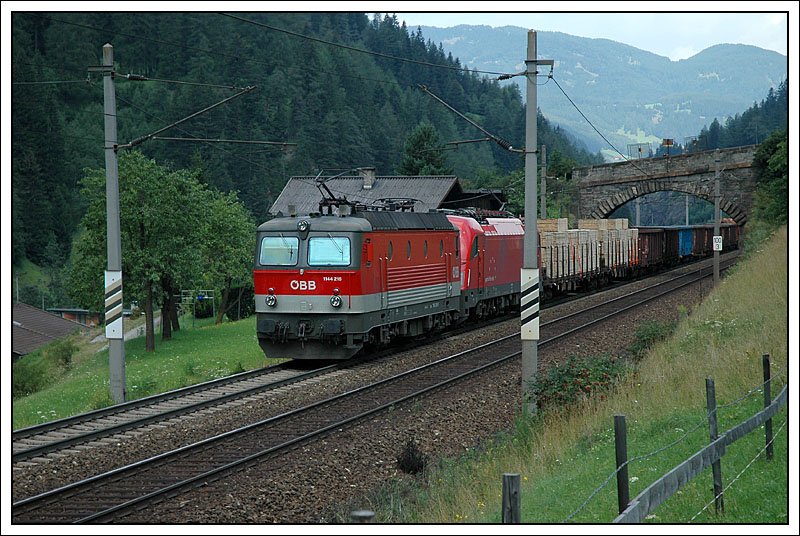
143,139
498,140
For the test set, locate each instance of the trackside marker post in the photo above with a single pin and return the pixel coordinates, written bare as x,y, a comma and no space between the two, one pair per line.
529,304
113,302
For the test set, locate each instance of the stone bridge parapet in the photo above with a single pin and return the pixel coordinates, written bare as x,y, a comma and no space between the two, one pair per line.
606,187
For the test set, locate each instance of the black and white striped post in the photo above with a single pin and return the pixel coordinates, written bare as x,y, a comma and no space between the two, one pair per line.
529,304
113,308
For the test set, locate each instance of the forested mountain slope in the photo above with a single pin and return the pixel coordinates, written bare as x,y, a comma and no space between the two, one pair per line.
341,107
631,95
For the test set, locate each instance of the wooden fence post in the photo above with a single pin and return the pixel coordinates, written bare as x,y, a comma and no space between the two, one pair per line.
511,499
362,516
716,467
621,450
767,402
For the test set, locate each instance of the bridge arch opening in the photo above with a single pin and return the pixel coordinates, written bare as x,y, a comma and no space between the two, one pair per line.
667,207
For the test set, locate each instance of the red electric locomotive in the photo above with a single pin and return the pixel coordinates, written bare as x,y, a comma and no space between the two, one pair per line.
328,285
492,250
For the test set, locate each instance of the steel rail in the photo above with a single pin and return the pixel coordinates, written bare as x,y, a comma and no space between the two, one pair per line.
158,415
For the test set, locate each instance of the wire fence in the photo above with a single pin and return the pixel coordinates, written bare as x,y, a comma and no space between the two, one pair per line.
660,490
637,510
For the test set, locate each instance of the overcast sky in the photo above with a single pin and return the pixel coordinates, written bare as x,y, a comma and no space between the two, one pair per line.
674,35
688,28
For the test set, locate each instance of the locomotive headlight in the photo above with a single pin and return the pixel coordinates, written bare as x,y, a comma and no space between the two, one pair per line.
272,301
302,226
336,301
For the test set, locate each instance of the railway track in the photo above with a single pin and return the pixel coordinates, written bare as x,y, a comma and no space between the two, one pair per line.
116,494
37,444
579,320
30,444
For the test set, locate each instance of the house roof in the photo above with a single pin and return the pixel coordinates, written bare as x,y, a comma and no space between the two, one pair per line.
33,327
428,191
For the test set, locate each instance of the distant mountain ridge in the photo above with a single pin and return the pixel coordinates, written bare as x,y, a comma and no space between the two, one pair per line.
630,95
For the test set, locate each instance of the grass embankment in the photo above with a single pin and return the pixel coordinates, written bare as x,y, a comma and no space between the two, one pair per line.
199,352
563,456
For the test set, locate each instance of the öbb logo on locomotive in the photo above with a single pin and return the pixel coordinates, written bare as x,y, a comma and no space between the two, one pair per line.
303,285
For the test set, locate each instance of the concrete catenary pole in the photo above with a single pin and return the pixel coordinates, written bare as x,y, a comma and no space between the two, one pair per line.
529,301
113,275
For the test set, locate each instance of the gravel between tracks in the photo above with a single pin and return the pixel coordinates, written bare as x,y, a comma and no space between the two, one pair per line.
305,487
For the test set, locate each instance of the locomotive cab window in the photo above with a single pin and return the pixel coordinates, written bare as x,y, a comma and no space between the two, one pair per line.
329,251
474,248
279,251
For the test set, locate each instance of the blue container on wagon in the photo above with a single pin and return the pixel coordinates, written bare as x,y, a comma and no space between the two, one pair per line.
685,242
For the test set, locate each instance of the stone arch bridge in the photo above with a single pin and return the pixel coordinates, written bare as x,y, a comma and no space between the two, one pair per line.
606,187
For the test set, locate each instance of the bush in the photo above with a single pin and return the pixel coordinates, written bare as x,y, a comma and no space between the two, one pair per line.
61,352
650,333
29,374
579,377
33,372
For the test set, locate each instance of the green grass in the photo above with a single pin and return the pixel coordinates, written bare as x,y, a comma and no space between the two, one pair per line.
195,354
564,456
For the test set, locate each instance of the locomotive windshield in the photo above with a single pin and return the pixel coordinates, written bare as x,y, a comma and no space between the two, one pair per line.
329,251
279,250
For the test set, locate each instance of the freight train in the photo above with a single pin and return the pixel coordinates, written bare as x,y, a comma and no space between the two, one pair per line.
329,286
